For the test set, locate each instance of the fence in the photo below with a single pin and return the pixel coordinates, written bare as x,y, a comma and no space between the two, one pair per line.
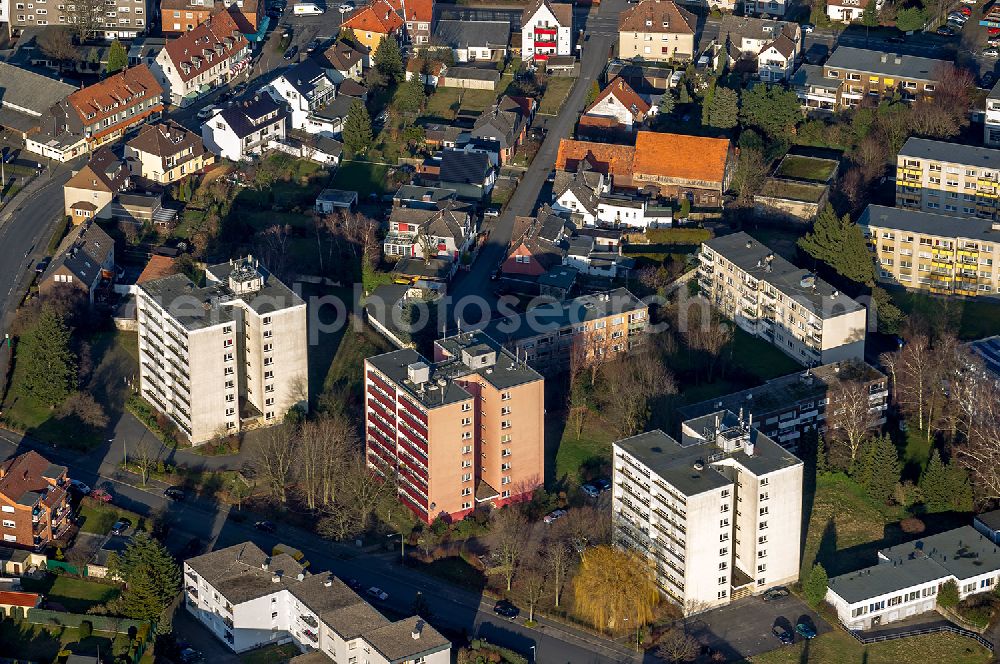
919,632
54,565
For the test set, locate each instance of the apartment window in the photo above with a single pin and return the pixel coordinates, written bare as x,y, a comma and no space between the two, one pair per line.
725,493
723,523
466,463
724,507
467,491
761,568
268,361
505,396
228,371
269,401
505,424
7,523
268,375
763,496
762,539
268,388
724,537
466,421
466,407
274,615
763,481
466,435
723,566
228,357
266,320
268,333
763,511
230,412
505,480
467,449
227,343
762,526
724,551
723,580
230,398
505,452
505,493
762,553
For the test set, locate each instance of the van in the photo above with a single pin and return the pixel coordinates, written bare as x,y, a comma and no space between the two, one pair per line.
675,78
308,9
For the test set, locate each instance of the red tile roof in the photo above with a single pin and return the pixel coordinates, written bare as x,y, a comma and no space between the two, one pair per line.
657,16
624,93
23,473
28,600
614,160
202,48
123,90
681,156
157,268
378,17
416,10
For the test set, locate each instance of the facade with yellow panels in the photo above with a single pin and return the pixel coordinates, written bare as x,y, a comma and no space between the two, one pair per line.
862,73
946,178
933,252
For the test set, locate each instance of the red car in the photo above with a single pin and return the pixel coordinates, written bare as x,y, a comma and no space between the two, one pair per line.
993,31
101,495
965,10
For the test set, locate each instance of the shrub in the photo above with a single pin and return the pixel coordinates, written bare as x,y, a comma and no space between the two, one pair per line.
912,526
86,629
948,595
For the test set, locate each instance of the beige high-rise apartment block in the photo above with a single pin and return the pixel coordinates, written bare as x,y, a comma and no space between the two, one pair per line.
224,357
463,429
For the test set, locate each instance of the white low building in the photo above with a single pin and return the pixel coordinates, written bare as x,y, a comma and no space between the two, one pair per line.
848,10
908,577
991,132
246,129
248,599
585,197
304,89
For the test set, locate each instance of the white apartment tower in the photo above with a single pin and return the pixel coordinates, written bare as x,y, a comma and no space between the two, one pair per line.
807,318
224,357
718,514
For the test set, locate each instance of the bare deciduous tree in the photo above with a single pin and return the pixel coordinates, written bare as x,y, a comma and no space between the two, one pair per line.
849,419
678,646
85,17
144,459
629,387
57,43
274,460
507,541
710,336
532,582
325,446
559,560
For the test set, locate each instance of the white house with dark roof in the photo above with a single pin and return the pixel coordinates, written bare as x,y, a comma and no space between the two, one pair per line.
445,231
472,41
773,45
304,88
246,129
906,580
85,258
248,599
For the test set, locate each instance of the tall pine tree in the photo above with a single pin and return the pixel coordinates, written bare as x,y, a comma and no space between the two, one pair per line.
839,243
724,109
879,469
945,486
117,58
357,133
46,364
388,59
151,576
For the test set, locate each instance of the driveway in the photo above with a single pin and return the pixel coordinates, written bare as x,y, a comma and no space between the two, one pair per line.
201,639
743,629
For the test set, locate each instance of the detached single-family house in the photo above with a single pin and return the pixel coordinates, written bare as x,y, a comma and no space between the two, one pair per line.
197,62
472,41
341,61
372,23
656,31
418,16
303,88
848,10
772,46
246,129
617,108
470,174
576,192
166,152
546,30
89,193
85,259
447,232
501,128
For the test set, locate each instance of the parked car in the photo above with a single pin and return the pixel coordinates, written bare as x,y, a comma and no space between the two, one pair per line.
79,487
603,483
378,594
896,40
191,656
266,527
946,31
806,630
291,53
993,31
965,10
346,7
120,526
808,28
354,585
174,493
591,490
101,495
42,264
774,593
991,52
554,515
955,17
783,635
989,79
492,212
313,45
207,112
505,609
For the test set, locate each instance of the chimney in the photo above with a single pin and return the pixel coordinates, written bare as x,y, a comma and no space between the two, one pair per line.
898,60
300,576
884,57
275,578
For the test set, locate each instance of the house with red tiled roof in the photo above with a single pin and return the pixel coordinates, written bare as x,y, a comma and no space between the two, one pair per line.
158,267
372,23
617,107
418,16
34,501
656,31
200,60
10,600
696,167
606,158
180,16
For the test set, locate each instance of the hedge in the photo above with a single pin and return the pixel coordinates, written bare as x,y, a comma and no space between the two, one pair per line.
100,623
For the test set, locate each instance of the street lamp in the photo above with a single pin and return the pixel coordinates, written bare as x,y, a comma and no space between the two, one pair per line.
532,654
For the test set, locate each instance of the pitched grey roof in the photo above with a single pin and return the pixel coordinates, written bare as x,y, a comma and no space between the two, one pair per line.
29,90
737,28
437,222
558,315
463,34
473,73
236,572
970,155
886,64
464,167
406,640
990,519
247,117
812,76
83,252
928,223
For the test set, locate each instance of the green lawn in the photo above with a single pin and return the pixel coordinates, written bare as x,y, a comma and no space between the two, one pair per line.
271,654
796,191
362,177
592,447
837,647
76,595
556,90
806,168
344,379
445,103
97,518
970,319
38,643
456,570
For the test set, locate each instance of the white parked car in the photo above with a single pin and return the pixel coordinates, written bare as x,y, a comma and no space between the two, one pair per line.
808,28
553,515
991,53
346,7
207,112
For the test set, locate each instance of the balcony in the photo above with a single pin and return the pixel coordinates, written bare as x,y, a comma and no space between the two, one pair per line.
311,635
192,591
309,620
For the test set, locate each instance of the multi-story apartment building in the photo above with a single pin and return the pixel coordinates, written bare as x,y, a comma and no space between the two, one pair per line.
587,329
98,114
209,55
224,357
461,430
718,514
948,178
656,31
852,74
249,599
786,407
991,129
178,16
119,19
34,501
166,152
906,580
933,252
769,297
546,30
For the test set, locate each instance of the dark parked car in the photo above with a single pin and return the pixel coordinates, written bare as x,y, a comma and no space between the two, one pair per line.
783,634
505,609
354,585
120,527
266,527
896,40
42,264
776,592
805,629
174,493
313,45
291,53
603,483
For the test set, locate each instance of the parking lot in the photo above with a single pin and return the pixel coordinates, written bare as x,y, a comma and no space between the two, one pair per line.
743,628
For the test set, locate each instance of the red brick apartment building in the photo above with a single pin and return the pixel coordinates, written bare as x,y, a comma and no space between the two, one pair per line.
463,430
34,501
